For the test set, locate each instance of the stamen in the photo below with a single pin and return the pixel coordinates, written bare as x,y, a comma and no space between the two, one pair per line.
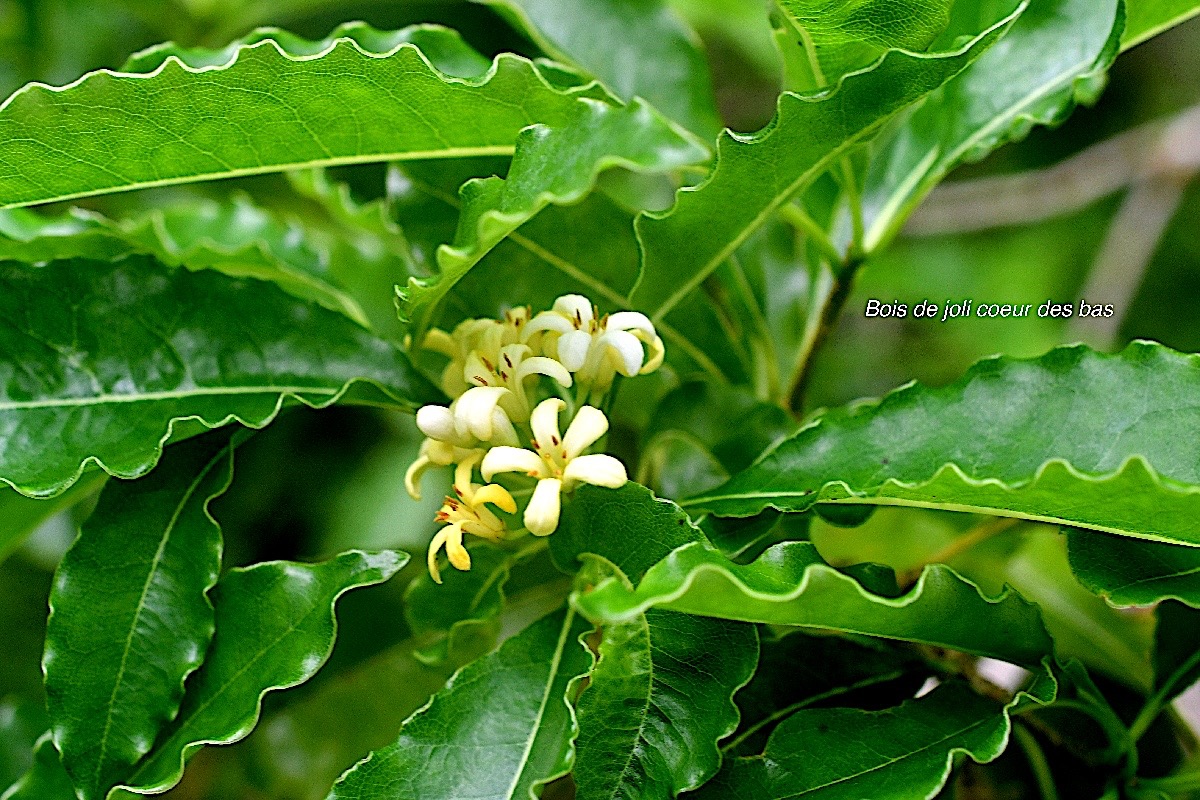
480,380
487,364
503,376
508,361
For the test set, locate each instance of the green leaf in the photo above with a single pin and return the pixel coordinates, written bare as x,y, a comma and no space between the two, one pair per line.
801,670
1054,56
275,627
1129,572
465,604
46,779
1073,437
636,47
129,616
657,701
1176,649
848,34
502,727
1148,18
896,754
263,109
234,236
21,723
756,175
788,585
20,515
553,164
144,347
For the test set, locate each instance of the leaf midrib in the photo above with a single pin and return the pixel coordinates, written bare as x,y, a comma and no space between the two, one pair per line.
141,605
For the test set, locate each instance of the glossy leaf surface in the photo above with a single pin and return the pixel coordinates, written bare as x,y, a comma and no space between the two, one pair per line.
500,728
1029,439
1147,18
1128,572
130,617
275,627
146,346
263,107
657,702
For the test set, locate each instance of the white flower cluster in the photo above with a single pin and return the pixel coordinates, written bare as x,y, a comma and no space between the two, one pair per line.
497,424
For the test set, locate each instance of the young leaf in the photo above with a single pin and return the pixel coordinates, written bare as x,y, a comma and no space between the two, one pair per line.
1129,572
1028,439
275,627
758,174
129,615
658,700
1148,18
46,779
265,109
552,164
145,347
896,754
502,727
788,585
635,48
1054,56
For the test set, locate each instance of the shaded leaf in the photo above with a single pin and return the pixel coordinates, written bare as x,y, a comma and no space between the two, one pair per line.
900,753
263,109
502,727
129,615
275,627
1074,436
1130,572
657,702
20,515
21,723
46,779
1054,57
144,346
636,48
1176,648
756,175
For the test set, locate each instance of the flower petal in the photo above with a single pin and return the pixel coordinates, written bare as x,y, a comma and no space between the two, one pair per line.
587,427
630,321
431,557
439,341
598,470
473,411
626,348
412,477
540,365
541,515
436,422
575,307
459,557
503,431
546,321
512,459
544,422
657,351
497,495
573,349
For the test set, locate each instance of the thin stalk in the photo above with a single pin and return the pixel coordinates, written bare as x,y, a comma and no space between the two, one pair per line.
1155,703
798,219
831,309
980,533
761,342
1037,761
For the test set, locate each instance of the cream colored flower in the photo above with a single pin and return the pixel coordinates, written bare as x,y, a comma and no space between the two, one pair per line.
467,513
556,461
455,433
485,337
596,347
512,369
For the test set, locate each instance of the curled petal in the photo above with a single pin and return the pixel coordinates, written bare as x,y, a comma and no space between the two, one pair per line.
626,348
540,365
503,431
497,495
546,321
630,321
476,373
573,349
598,470
459,557
412,478
441,453
541,515
473,412
439,539
657,351
587,427
512,459
544,422
436,422
575,307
